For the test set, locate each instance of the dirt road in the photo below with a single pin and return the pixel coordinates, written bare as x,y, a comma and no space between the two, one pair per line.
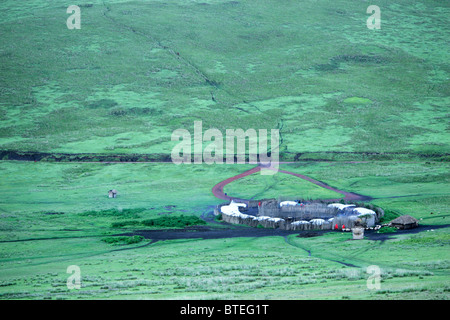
218,192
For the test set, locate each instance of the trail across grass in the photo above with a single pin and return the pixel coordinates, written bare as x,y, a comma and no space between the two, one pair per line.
218,189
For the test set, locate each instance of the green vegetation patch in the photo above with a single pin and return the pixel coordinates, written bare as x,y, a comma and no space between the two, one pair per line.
121,224
119,213
173,221
429,239
120,240
389,215
387,230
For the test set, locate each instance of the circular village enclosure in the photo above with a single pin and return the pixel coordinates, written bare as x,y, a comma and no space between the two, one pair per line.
349,213
299,215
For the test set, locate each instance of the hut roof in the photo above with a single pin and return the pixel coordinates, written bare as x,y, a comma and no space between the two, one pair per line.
405,219
233,209
288,203
317,221
299,222
363,211
340,206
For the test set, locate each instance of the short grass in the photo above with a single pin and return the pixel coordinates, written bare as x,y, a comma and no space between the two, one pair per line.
268,268
416,188
137,70
278,186
42,236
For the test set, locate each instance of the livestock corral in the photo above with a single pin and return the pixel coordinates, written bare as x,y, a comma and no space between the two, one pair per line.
299,215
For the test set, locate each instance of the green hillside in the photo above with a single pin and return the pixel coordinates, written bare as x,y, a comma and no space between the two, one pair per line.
137,70
84,111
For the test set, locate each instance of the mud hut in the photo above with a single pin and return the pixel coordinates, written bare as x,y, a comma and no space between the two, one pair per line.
112,193
404,222
358,230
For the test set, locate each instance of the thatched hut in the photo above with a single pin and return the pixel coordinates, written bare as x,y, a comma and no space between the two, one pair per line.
404,222
358,230
112,193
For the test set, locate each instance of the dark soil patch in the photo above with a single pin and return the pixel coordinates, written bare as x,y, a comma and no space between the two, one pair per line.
205,232
81,157
160,157
336,61
309,234
373,235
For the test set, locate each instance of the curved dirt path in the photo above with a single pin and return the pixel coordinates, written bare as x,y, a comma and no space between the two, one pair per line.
218,192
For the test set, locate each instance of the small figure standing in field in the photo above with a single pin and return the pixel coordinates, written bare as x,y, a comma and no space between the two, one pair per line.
112,193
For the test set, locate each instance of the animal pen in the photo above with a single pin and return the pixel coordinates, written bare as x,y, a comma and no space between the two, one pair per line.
295,215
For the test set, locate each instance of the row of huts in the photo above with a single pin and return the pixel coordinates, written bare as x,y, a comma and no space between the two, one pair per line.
338,219
292,215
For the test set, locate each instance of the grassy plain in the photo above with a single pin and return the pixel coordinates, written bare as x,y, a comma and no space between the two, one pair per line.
37,247
372,103
278,186
137,70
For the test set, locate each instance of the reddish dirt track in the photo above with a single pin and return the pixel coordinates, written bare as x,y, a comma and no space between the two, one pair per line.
218,192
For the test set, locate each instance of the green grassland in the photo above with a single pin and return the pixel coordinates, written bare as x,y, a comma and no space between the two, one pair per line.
278,186
233,269
364,111
37,247
137,70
